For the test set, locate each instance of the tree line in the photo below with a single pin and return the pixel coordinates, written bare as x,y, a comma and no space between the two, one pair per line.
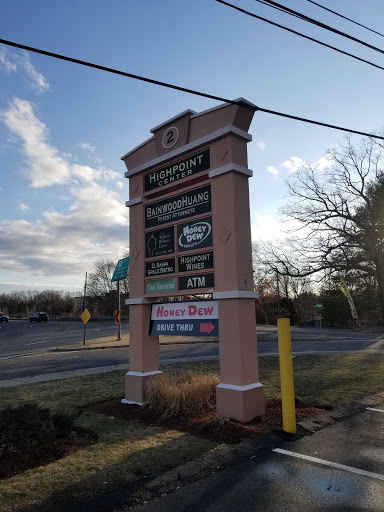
100,297
336,213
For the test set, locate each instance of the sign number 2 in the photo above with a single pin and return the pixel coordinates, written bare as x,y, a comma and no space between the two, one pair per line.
170,137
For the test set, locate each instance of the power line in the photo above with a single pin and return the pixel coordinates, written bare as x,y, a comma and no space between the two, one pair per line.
349,19
298,33
319,24
182,89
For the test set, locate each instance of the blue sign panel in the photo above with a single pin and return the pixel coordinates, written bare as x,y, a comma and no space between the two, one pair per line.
185,327
199,318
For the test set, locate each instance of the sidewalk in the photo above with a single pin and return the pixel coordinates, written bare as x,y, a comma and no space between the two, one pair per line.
340,467
107,342
113,342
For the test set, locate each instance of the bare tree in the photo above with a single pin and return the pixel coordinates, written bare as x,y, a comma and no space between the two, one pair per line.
340,217
101,291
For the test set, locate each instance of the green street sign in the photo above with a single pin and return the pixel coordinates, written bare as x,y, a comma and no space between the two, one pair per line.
121,270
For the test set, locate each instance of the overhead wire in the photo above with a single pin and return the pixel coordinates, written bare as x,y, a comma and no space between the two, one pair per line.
303,17
182,89
298,33
345,17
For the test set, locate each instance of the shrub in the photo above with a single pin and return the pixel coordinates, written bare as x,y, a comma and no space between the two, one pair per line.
170,395
29,426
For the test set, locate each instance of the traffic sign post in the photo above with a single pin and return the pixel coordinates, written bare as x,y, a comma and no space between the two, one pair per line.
190,234
85,316
121,272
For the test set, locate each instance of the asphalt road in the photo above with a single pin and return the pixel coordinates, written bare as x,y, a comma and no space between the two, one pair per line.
27,349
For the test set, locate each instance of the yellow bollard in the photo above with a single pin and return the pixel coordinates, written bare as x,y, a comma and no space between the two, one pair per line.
286,375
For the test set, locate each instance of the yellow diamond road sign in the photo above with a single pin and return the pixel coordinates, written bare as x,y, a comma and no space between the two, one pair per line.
85,315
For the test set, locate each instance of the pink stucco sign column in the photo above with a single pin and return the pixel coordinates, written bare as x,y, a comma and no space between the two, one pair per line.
190,158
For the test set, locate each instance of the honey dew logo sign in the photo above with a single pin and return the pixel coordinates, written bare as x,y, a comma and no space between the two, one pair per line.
195,234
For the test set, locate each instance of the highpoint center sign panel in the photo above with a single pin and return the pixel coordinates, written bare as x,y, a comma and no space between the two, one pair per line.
181,169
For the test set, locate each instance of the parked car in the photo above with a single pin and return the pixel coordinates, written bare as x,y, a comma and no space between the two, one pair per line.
4,317
39,317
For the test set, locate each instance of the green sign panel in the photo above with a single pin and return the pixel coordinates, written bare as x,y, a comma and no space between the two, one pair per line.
121,270
160,285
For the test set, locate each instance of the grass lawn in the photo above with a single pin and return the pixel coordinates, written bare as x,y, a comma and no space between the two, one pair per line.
128,450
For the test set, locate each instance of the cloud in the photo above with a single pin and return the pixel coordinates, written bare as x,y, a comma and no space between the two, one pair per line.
38,81
6,63
61,243
12,62
86,146
261,145
45,166
293,164
23,207
322,163
266,227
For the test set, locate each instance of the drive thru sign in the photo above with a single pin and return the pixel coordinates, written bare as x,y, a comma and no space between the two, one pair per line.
185,318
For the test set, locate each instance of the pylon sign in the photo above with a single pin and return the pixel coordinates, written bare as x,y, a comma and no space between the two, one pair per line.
185,318
190,235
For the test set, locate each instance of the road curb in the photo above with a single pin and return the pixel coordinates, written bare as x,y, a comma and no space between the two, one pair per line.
103,347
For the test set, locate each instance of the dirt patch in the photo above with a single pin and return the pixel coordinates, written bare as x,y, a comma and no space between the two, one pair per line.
43,455
207,424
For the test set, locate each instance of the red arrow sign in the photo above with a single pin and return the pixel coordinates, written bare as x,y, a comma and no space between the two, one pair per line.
208,328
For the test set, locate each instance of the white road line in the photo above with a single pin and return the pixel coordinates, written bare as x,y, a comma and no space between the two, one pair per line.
335,465
15,356
35,343
377,410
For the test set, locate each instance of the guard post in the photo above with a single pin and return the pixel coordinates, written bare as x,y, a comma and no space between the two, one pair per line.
190,234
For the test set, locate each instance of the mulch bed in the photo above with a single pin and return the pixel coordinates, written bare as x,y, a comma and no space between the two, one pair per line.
207,425
42,455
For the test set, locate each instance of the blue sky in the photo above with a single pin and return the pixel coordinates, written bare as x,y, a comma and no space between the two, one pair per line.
64,127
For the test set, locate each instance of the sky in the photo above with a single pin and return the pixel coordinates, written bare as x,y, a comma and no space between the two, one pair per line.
64,127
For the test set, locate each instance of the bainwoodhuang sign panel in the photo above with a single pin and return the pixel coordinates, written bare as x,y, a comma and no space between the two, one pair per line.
188,204
176,171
